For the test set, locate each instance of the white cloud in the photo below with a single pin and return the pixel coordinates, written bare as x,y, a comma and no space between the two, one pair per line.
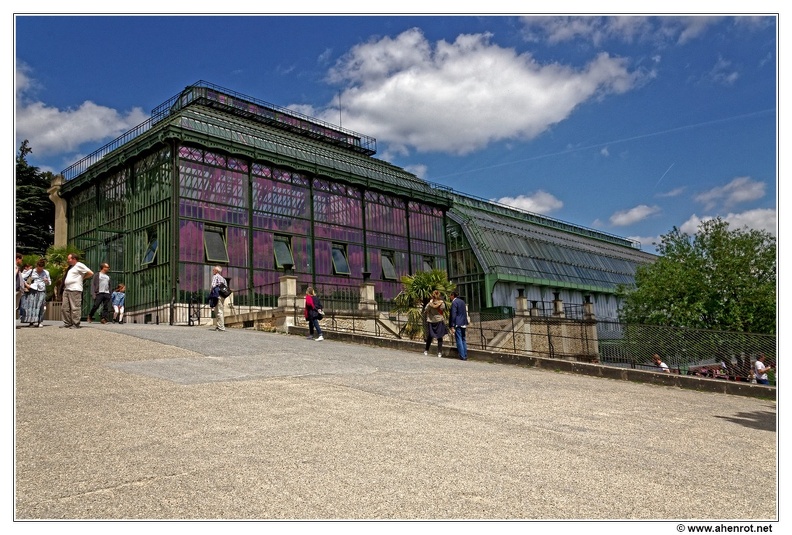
555,29
605,151
633,215
451,97
418,170
739,190
758,219
722,72
539,202
673,193
688,28
627,29
51,130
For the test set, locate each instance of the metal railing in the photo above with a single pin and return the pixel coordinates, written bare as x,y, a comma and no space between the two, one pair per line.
707,353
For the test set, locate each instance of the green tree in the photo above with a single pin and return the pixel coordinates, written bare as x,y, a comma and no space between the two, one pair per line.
416,292
716,279
35,213
56,264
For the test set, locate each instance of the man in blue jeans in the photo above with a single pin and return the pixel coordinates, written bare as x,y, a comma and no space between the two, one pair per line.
458,319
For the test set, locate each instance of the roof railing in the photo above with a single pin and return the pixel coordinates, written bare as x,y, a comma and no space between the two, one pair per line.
212,95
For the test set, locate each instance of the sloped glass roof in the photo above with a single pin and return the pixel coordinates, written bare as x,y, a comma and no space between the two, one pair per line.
521,246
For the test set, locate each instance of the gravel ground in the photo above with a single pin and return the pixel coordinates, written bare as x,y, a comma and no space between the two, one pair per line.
159,422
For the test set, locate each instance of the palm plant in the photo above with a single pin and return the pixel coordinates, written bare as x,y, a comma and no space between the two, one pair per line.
416,292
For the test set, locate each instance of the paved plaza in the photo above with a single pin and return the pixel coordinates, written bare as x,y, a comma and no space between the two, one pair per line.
164,422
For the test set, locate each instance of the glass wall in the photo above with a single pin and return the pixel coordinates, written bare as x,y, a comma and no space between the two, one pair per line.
386,235
213,219
464,269
260,219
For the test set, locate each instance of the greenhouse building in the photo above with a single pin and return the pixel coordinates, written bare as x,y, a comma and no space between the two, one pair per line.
218,178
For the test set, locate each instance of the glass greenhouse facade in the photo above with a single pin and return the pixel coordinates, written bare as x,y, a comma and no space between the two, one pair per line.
218,178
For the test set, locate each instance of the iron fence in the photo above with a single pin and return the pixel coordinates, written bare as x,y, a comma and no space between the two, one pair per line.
710,353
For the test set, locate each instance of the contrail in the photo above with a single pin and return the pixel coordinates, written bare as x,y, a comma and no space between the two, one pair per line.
623,140
664,174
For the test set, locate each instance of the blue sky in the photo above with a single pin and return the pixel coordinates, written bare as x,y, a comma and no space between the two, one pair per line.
627,124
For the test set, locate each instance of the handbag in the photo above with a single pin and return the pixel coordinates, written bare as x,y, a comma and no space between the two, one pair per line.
320,313
223,290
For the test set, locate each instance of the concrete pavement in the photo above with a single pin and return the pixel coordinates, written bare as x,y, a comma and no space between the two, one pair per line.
161,422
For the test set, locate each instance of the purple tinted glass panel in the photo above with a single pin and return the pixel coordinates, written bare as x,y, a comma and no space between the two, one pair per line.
212,184
280,198
386,219
213,212
280,224
191,247
191,277
386,241
355,259
237,245
263,256
190,153
301,252
339,234
323,257
337,209
261,170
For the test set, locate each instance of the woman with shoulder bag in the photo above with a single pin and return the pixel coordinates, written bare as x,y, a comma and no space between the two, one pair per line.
313,313
434,311
36,283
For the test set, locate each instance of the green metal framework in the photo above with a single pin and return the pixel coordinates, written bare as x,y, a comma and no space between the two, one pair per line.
210,181
216,177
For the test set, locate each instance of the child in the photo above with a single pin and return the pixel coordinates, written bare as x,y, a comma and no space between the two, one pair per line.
118,303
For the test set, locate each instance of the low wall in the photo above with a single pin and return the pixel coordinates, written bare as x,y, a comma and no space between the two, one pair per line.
688,382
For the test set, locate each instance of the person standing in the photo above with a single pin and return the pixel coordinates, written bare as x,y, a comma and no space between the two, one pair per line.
100,290
435,324
73,279
37,279
214,296
458,320
312,307
19,285
118,298
761,370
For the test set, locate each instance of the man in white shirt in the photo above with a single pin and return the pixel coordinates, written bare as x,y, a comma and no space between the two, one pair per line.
72,292
761,370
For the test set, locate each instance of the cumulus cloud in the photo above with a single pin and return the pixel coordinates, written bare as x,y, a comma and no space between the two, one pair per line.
539,202
739,190
451,96
633,215
758,219
52,130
